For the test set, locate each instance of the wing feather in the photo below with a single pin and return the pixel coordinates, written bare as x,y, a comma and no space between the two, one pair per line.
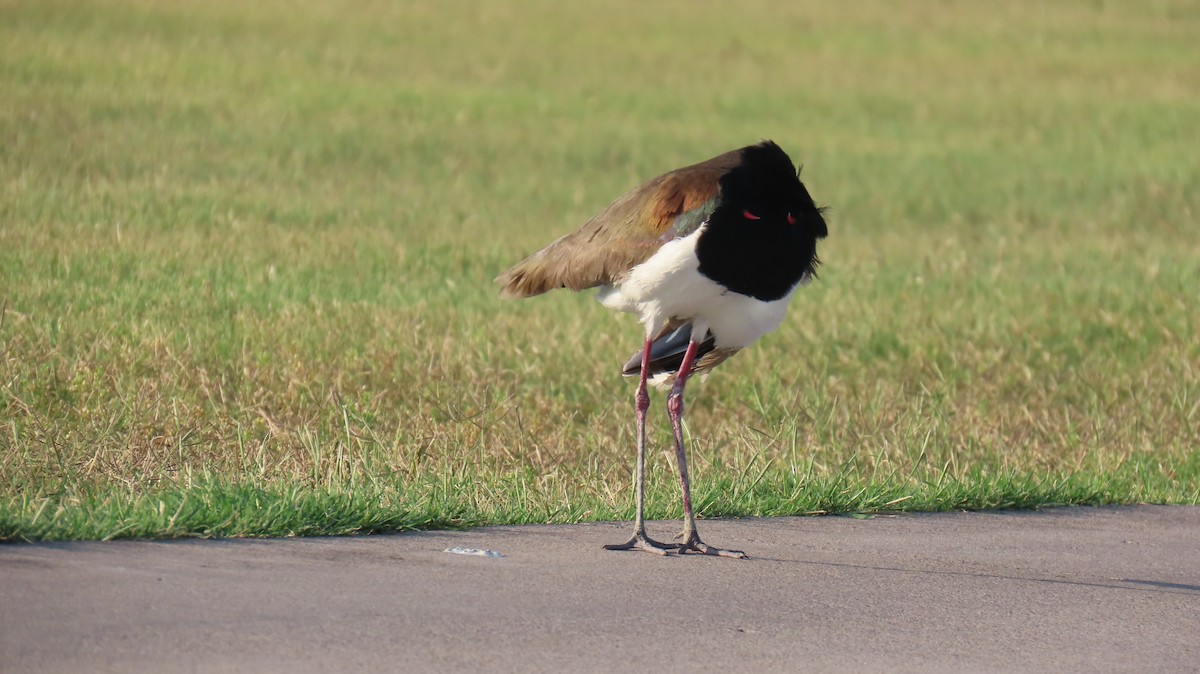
624,234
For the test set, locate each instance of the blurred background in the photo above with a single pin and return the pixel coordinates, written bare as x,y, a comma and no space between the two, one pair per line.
255,243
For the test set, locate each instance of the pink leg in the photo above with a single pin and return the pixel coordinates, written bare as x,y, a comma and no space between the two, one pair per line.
691,540
640,541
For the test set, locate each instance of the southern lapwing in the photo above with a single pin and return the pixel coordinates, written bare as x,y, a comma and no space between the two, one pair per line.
707,256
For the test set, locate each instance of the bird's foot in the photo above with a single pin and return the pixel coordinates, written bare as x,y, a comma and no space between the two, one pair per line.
640,541
693,545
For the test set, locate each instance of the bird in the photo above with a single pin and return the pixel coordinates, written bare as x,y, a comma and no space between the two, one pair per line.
707,257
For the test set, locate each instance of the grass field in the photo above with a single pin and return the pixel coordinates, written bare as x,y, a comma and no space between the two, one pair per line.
246,253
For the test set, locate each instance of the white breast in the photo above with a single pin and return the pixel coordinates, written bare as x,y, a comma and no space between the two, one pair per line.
670,285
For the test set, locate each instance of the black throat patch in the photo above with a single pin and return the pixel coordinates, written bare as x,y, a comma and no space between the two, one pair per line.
761,240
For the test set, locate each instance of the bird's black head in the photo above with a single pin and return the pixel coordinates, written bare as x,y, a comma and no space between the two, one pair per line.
767,186
761,239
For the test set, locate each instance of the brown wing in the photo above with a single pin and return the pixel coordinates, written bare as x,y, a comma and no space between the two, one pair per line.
624,234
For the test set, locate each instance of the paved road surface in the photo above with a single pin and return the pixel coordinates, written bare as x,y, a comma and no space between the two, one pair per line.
1073,589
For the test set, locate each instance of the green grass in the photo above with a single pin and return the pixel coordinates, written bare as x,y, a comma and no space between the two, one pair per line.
246,257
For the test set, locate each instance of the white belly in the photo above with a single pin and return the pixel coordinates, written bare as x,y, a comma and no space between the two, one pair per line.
669,285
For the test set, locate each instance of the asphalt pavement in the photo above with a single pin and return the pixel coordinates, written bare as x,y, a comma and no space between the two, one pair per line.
1065,589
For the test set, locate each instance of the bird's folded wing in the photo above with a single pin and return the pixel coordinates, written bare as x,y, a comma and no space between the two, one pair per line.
667,350
624,234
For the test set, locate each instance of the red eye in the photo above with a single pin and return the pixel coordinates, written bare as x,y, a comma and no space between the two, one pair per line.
791,219
750,216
